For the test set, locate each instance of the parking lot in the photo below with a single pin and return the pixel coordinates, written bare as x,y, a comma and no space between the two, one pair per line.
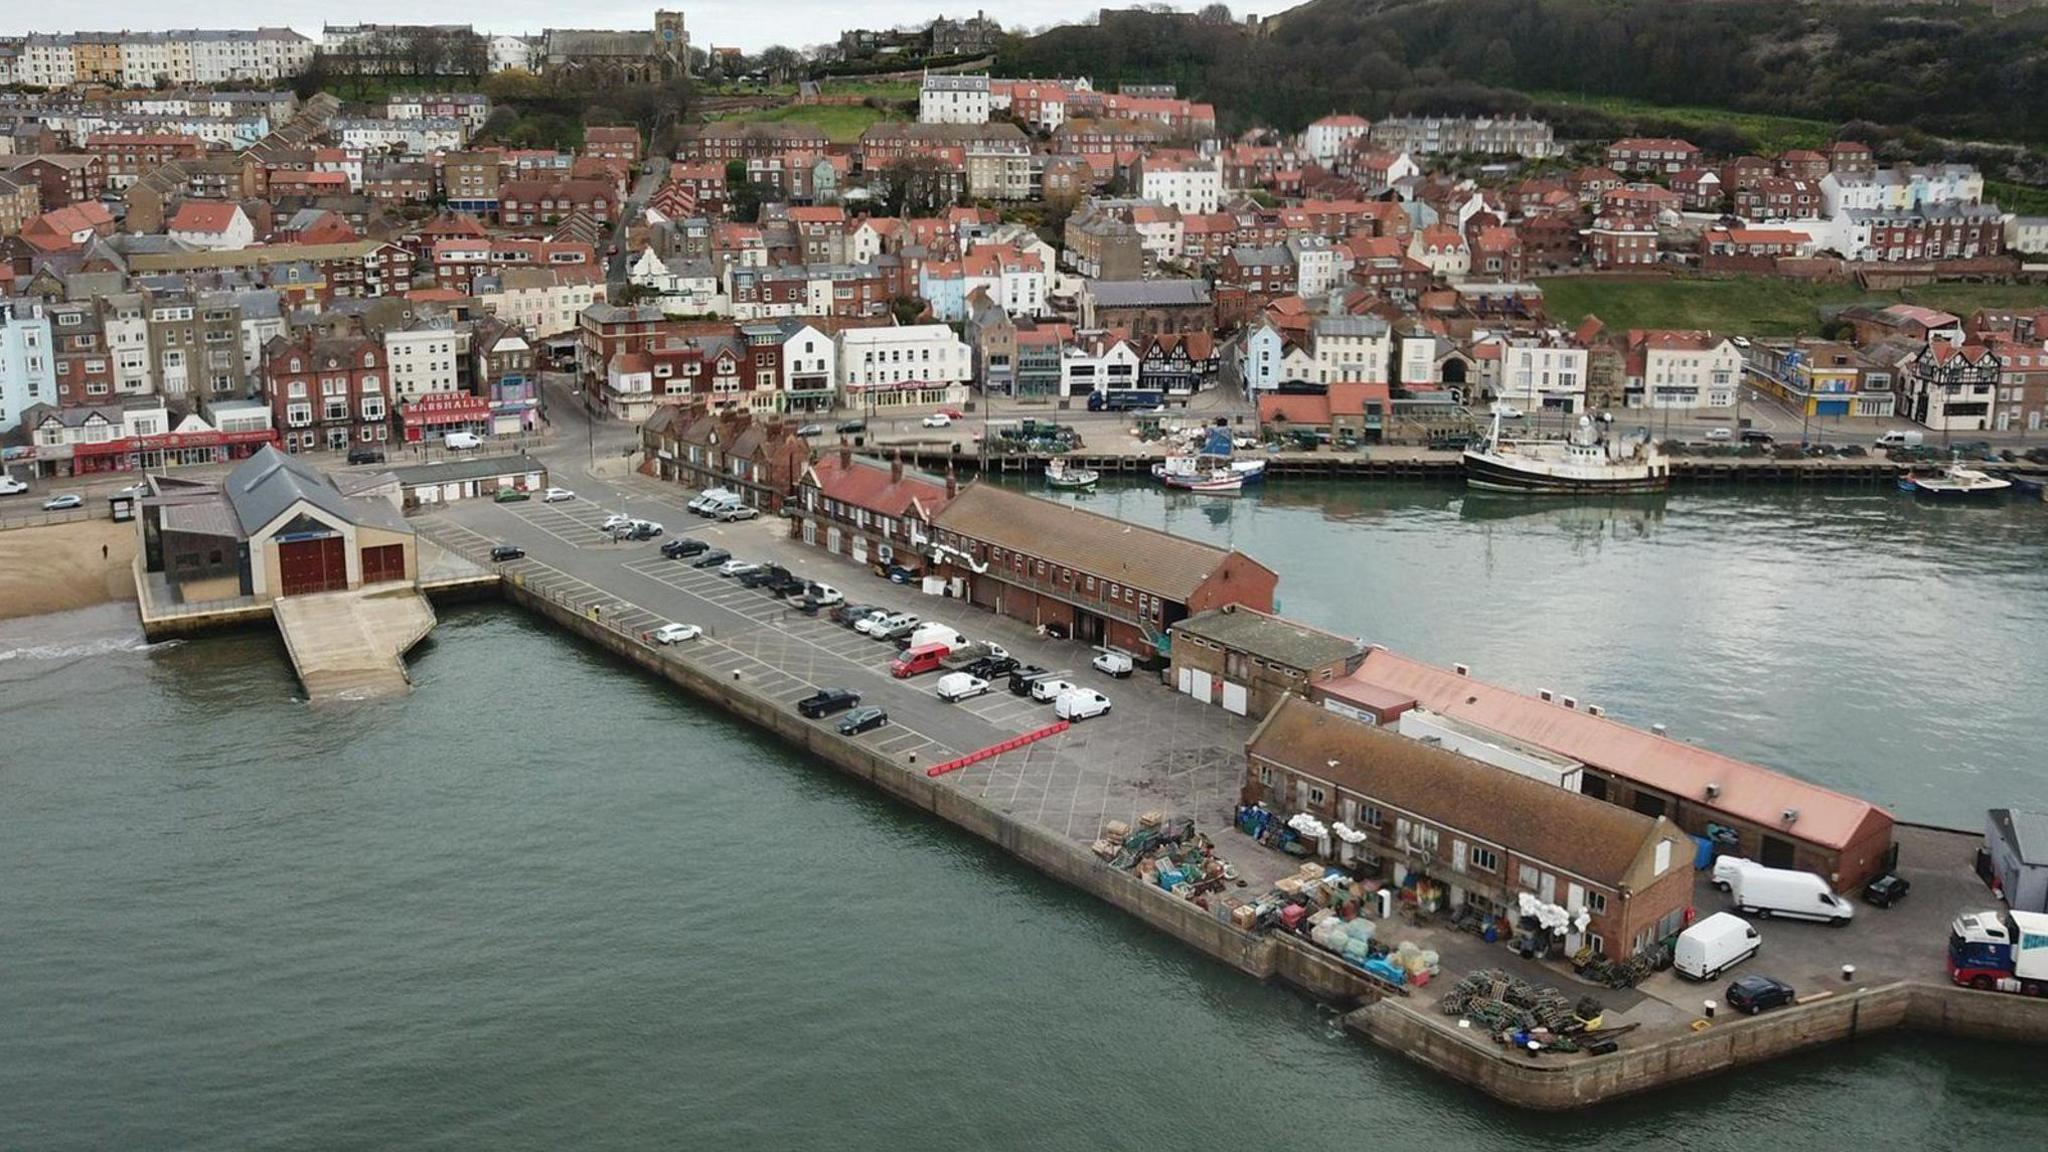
1154,750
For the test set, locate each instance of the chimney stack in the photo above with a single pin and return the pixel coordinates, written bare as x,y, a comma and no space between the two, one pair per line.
952,482
896,467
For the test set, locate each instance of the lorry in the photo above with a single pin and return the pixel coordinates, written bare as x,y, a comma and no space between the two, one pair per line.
2000,951
1768,892
1713,946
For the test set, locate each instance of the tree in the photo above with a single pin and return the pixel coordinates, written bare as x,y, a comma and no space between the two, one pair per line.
915,186
1217,14
779,63
742,196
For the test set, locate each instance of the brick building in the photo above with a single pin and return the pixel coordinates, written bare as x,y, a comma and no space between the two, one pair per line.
327,392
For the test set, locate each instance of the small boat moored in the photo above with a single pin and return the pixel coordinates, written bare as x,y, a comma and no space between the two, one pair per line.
1060,475
1956,482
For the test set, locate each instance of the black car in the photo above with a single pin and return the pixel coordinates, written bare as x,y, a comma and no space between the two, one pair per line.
788,586
990,667
644,532
861,720
1754,436
366,455
848,427
764,576
1021,679
683,546
711,559
504,552
1886,890
826,701
1753,994
847,612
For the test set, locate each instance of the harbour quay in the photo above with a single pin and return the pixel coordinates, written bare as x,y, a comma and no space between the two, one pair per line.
1115,803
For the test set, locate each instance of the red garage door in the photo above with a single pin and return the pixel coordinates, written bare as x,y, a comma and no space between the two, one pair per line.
312,566
384,562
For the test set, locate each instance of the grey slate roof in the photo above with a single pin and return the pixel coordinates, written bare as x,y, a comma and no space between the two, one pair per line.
1271,637
269,482
1148,293
474,468
2027,832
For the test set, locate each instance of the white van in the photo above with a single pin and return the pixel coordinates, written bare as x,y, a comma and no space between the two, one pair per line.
1898,438
1714,945
462,441
714,500
1767,892
933,632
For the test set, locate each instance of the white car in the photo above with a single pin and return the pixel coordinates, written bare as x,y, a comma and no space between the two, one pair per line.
138,489
1508,411
739,512
676,633
554,494
1115,663
616,520
877,625
736,566
826,595
1047,691
60,503
938,420
996,650
462,441
1720,434
1080,704
957,686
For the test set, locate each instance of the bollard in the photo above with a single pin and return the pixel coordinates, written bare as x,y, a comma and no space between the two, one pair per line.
735,675
1848,973
1710,1009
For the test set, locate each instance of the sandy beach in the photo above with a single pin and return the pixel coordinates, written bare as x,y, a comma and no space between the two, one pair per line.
59,567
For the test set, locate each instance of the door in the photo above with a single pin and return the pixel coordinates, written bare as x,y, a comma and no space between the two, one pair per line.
1776,853
1199,685
384,563
832,540
1236,699
860,550
319,565
1185,681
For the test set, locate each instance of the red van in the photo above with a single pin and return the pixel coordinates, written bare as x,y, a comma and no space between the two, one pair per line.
919,660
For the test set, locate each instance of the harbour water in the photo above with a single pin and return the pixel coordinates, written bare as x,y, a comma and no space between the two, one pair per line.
544,902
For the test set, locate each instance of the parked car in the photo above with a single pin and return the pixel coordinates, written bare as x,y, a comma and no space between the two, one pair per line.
676,633
739,512
736,567
1508,411
1756,436
852,614
990,667
825,595
762,575
787,586
60,503
366,455
1048,688
683,546
1725,868
1754,993
848,427
510,496
1720,434
1022,678
9,486
1886,890
504,552
462,441
957,686
640,530
826,701
896,632
880,626
615,520
1077,704
810,430
1117,664
711,559
861,720
938,420
553,495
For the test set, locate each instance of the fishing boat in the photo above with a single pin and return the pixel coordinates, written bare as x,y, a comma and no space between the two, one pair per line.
1060,475
1188,468
1591,459
1221,482
1956,482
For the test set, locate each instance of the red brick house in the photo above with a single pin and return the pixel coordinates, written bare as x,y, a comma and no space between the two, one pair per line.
1699,189
64,177
1496,254
1802,164
129,156
1652,154
1850,156
1743,172
1621,240
698,447
1099,579
327,392
526,203
1778,198
612,143
868,511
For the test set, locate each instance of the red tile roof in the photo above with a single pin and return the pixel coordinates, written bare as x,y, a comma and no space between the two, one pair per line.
209,216
871,486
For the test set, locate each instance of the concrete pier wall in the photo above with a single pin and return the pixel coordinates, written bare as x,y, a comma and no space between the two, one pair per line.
1389,1021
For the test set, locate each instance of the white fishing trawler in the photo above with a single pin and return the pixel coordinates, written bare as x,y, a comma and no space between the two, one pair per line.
1956,482
1590,459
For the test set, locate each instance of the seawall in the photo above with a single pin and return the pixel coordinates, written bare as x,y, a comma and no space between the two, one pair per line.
1391,1021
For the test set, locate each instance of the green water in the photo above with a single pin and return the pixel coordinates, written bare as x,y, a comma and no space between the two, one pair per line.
544,903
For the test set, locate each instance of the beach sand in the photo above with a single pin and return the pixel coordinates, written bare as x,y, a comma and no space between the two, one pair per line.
58,567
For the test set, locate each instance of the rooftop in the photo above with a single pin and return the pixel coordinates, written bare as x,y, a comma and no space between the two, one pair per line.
1274,638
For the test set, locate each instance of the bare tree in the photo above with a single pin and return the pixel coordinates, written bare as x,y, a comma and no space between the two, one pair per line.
1217,14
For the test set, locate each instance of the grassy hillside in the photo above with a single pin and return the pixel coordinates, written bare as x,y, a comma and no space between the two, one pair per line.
1750,307
842,122
1954,70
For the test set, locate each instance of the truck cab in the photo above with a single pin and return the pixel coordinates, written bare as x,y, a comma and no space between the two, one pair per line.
2005,951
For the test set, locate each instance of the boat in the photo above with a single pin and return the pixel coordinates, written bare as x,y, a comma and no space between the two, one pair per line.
1956,482
1221,482
2029,487
1060,475
1591,459
1187,469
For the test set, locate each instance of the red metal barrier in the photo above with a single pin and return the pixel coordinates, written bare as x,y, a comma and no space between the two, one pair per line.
994,750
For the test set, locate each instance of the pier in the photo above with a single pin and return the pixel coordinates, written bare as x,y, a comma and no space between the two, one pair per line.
1045,799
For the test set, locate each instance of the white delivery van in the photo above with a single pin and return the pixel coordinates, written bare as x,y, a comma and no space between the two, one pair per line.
1767,892
1714,945
933,632
1725,868
1901,439
712,501
462,441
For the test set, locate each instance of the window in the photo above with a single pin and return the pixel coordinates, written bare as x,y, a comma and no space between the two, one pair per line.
1484,859
1315,795
1596,903
1526,876
1373,817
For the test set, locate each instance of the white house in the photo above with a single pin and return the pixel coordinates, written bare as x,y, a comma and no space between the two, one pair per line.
1266,357
422,360
28,364
420,137
546,301
1186,183
2027,235
687,287
914,365
809,366
1326,139
1672,369
1542,373
1444,250
1097,362
216,225
511,54
953,100
1320,264
1348,350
